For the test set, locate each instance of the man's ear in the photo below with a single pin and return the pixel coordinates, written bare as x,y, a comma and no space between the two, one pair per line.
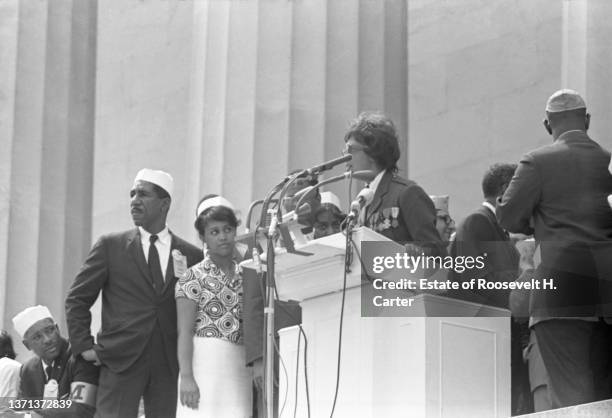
547,126
166,204
587,121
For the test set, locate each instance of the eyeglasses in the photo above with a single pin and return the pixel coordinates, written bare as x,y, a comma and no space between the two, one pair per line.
446,218
351,148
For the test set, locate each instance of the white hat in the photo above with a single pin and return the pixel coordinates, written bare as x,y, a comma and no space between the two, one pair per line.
28,317
440,203
329,197
564,99
214,201
158,177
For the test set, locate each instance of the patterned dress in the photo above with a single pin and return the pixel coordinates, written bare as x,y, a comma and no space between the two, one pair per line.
218,351
219,300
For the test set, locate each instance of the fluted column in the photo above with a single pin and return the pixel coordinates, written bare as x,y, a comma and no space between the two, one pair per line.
51,147
278,83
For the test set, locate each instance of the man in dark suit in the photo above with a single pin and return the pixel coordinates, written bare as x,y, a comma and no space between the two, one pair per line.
479,233
136,271
559,194
54,373
400,209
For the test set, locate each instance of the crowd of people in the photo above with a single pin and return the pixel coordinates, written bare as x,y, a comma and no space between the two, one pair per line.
182,325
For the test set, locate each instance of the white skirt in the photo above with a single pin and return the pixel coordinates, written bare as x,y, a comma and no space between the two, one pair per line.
223,380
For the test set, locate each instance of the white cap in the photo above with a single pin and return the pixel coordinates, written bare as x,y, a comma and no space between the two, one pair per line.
440,203
214,201
564,99
28,317
329,197
158,177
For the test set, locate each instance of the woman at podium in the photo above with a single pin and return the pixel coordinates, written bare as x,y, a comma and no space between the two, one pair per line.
400,209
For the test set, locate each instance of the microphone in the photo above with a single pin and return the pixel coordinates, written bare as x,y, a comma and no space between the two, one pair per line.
306,191
364,197
328,165
303,210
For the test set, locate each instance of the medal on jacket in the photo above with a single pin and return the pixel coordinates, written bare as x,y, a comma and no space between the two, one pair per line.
50,389
394,215
179,262
386,218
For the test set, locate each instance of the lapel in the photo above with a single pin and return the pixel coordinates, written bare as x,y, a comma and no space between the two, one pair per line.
134,249
501,235
169,281
381,191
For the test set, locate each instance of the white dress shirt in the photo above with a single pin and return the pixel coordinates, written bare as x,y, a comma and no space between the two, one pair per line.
163,244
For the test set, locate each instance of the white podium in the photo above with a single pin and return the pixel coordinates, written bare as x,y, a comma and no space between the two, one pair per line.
417,366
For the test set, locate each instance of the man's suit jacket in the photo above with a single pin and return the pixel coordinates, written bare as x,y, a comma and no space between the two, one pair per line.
478,234
561,189
402,211
67,371
131,307
286,314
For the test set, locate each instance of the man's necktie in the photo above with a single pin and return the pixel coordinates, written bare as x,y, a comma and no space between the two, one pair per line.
155,265
49,371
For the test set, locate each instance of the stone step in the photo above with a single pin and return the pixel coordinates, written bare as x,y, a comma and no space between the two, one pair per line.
602,409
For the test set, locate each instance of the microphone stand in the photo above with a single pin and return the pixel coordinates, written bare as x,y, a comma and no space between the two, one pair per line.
268,358
271,235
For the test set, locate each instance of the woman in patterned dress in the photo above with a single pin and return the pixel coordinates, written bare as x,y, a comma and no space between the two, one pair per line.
213,380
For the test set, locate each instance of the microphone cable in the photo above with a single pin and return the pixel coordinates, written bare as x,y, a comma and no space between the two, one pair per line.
347,233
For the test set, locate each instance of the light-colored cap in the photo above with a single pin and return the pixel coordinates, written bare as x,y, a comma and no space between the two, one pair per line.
28,317
158,177
214,201
440,203
564,99
329,197
610,201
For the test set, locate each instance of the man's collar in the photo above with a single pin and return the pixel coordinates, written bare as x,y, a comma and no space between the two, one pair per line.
163,236
581,131
489,206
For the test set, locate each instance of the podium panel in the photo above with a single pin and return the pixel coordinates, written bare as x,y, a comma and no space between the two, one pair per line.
397,367
418,366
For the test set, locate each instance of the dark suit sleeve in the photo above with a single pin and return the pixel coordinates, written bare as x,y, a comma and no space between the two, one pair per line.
520,198
82,295
419,216
252,315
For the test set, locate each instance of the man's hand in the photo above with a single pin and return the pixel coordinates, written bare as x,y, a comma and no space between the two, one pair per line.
526,249
258,373
91,356
189,393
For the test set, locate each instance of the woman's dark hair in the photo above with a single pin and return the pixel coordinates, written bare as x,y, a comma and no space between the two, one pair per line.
332,209
214,213
377,133
6,345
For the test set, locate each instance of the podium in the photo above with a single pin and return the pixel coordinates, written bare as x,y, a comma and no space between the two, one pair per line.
418,366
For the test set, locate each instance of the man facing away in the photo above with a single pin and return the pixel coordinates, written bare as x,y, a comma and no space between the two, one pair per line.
136,271
559,194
